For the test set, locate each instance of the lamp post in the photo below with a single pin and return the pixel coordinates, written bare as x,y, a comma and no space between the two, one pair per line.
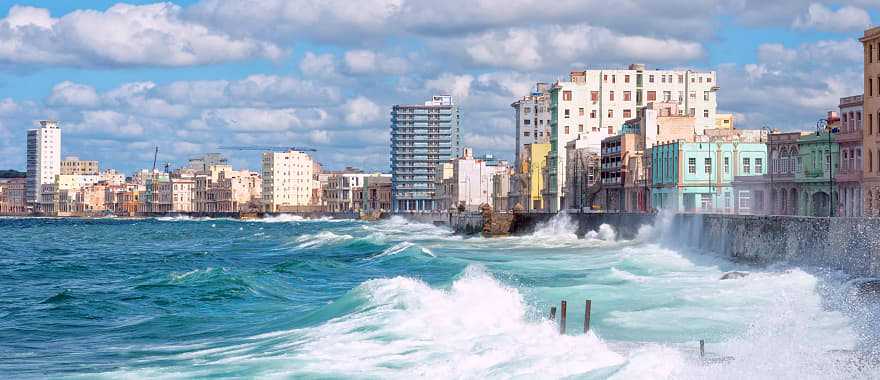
772,165
823,124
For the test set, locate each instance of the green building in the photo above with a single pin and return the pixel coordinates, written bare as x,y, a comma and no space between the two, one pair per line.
817,164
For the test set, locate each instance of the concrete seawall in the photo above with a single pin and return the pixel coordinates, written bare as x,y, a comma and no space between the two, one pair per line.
849,244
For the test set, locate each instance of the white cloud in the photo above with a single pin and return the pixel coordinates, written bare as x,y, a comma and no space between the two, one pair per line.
360,111
369,62
459,86
820,17
123,35
68,93
318,65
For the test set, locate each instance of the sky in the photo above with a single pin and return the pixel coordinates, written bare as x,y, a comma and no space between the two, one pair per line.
192,76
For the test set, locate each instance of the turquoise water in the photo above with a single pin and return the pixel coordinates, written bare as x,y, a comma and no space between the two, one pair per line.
292,298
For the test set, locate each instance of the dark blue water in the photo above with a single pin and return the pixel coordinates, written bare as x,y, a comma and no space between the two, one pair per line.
340,299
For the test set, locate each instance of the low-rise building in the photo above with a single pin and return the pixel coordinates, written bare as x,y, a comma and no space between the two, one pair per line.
72,165
377,193
182,190
13,199
470,184
583,163
818,158
849,175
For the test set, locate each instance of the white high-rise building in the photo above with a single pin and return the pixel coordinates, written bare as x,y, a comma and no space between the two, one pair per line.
532,119
594,104
287,180
43,157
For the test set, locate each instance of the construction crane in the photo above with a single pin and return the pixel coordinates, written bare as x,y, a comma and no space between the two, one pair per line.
155,155
270,148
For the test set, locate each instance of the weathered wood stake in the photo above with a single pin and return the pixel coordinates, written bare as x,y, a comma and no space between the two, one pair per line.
553,313
587,307
702,348
562,317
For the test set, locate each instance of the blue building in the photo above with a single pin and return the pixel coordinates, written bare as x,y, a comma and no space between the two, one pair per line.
422,138
698,176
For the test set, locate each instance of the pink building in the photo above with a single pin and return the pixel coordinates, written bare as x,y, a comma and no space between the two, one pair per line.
849,176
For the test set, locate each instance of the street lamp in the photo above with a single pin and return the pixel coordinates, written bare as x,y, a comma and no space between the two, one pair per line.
772,165
823,124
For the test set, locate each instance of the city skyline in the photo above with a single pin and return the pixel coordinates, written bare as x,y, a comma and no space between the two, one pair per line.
188,77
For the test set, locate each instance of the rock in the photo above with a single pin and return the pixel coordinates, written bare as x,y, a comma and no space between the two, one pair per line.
734,275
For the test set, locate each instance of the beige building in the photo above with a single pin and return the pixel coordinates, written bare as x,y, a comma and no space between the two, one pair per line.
73,165
287,180
377,193
12,196
182,194
871,129
724,121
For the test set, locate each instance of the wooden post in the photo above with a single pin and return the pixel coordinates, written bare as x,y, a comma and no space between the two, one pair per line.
587,307
553,313
702,348
562,317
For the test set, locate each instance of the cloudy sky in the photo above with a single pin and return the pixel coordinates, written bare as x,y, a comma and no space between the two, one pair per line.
190,76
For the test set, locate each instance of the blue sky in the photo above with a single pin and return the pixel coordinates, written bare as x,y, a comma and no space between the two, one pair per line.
190,76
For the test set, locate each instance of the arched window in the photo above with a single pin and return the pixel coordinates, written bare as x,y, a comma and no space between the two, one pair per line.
870,162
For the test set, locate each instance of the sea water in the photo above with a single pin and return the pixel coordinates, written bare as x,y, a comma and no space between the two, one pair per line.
292,298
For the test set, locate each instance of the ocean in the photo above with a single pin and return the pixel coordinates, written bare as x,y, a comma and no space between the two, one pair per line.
327,299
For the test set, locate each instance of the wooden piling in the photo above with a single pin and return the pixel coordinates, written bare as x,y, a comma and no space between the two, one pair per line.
562,309
587,306
702,348
553,313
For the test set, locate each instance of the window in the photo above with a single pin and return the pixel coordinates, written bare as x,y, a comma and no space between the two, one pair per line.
527,110
692,165
626,78
526,133
707,165
759,165
594,96
709,80
610,130
527,121
610,113
705,113
566,130
706,95
613,78
652,96
680,78
605,77
567,113
593,114
663,79
667,96
870,87
566,95
747,169
650,79
611,95
580,127
706,201
726,165
627,96
627,113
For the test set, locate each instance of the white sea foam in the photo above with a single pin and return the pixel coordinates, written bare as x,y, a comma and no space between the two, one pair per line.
605,233
320,239
395,249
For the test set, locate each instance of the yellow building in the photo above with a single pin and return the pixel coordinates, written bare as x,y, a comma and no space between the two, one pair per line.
537,161
724,121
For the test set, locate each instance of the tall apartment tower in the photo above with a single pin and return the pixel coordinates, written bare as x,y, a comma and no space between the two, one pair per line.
871,128
532,119
287,180
594,104
43,157
423,136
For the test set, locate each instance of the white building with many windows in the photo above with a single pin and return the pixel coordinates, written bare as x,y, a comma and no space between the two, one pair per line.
287,180
43,157
594,104
532,119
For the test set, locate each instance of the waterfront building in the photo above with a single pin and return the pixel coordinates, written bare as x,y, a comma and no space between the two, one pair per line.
849,137
871,131
123,200
583,166
698,176
817,165
43,157
532,119
182,194
621,172
594,104
90,200
111,177
527,183
785,164
724,121
345,190
287,180
470,184
13,199
72,165
501,190
423,136
377,193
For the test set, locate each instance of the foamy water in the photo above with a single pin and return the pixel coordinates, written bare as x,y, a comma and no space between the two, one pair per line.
395,299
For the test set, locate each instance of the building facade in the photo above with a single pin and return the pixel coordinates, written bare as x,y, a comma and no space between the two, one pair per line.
423,136
818,163
594,104
849,174
871,131
377,193
287,180
532,119
73,165
13,199
43,157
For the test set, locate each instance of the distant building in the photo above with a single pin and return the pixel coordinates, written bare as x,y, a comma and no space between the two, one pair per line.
532,119
287,180
871,131
73,165
13,200
377,193
849,137
345,190
622,166
471,183
423,136
182,190
724,121
594,104
203,164
43,157
582,163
